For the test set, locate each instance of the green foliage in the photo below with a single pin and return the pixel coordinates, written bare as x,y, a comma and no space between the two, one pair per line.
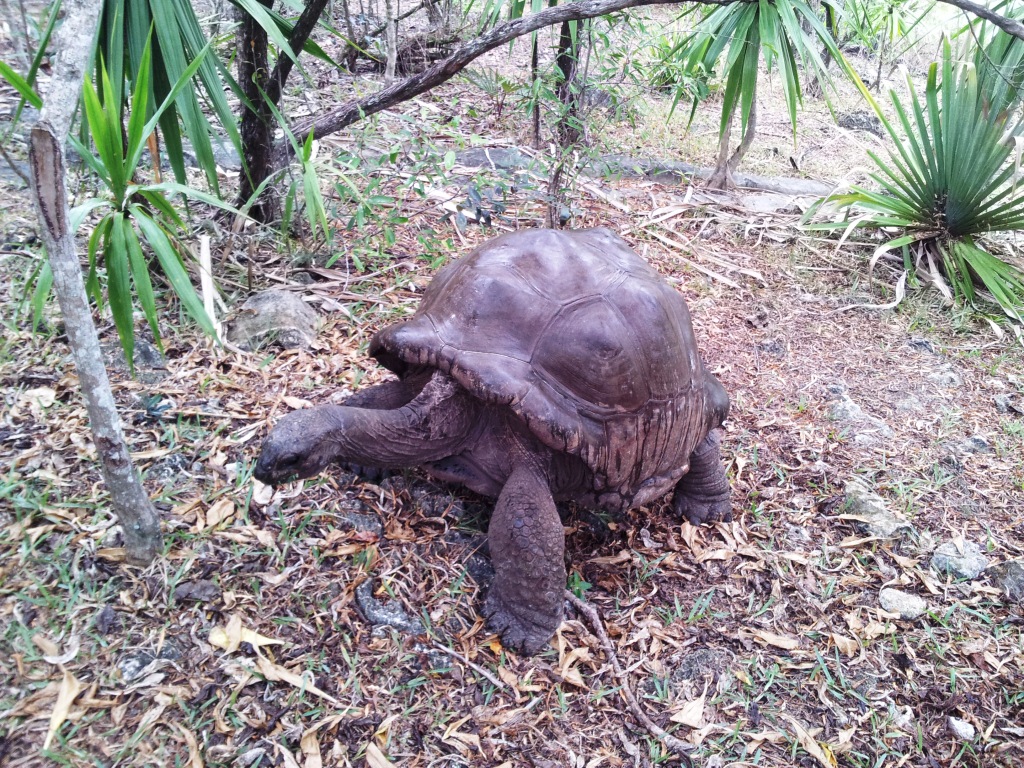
662,69
949,181
124,37
135,214
739,35
875,24
998,58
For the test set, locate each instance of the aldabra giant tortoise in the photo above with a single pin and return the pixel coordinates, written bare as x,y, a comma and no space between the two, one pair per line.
544,366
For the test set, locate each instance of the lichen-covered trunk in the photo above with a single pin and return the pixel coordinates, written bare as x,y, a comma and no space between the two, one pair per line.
139,520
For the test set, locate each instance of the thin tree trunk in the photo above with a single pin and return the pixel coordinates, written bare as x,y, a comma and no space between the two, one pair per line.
257,125
351,52
534,62
256,130
726,166
567,61
720,178
140,522
392,42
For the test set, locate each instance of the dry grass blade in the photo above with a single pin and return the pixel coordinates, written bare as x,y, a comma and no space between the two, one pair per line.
901,292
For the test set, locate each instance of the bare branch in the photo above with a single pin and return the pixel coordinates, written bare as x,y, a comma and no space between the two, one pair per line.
1008,25
442,71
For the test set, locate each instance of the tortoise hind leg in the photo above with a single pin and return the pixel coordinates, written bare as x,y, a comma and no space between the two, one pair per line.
527,544
703,493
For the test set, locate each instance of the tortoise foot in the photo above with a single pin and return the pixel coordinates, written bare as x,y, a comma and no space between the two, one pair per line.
700,511
521,629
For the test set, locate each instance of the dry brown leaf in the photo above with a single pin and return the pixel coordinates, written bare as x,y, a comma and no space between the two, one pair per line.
846,645
786,642
820,752
261,494
375,758
112,554
624,556
234,634
69,690
310,746
195,758
277,673
219,512
692,713
296,402
46,645
567,669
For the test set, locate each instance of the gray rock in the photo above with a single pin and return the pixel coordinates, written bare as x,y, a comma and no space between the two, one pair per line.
385,613
843,408
272,317
908,606
961,728
945,376
199,590
948,559
1008,403
861,120
358,521
149,363
871,514
1008,577
973,444
921,345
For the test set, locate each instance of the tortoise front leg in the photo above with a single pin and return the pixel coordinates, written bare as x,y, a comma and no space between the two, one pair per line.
527,545
703,494
434,425
385,396
390,394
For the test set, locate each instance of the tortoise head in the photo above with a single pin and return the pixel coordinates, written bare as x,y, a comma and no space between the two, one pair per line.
297,447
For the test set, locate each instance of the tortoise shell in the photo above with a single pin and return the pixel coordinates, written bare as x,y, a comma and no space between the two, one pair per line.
583,341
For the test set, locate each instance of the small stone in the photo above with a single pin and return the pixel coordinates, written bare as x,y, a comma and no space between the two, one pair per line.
199,590
969,564
1008,403
871,514
107,620
908,606
961,728
843,408
1008,578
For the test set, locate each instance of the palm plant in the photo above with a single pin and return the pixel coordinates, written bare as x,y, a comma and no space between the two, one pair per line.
744,33
949,181
124,36
134,213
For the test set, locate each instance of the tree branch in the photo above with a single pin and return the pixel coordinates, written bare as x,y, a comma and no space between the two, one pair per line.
296,41
1008,25
442,71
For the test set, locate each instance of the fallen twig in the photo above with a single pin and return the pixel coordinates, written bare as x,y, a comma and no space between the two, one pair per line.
455,654
666,738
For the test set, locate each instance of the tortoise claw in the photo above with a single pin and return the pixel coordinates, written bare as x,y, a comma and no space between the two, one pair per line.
521,630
